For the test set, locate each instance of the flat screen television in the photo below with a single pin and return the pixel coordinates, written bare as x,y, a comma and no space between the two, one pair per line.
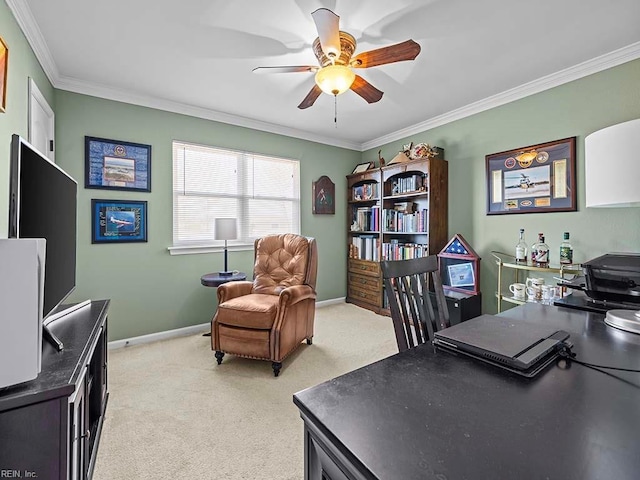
43,204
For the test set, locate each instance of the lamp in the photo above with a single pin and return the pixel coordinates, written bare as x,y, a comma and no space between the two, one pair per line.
612,171
225,229
335,79
611,163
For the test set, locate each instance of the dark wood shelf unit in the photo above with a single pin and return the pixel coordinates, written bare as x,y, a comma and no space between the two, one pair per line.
50,427
424,184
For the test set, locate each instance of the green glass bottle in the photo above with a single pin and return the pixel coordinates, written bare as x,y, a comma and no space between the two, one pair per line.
566,250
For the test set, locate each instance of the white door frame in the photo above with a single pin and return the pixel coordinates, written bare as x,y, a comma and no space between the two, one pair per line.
41,122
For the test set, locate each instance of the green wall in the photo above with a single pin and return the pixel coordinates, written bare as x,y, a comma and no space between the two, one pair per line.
22,65
151,290
575,109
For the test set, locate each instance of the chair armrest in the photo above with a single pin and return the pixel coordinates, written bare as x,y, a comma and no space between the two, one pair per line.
296,293
230,290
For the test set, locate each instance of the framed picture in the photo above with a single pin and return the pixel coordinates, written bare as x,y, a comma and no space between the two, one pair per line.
534,179
118,221
461,275
117,165
324,194
4,66
362,167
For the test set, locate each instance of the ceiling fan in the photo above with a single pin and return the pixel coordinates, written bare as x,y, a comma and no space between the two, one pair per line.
333,49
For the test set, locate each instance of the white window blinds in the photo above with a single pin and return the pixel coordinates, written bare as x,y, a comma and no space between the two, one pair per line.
261,192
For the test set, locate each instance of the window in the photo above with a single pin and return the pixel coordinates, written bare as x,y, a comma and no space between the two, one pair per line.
261,192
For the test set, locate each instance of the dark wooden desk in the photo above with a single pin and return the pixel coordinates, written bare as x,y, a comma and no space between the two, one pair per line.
424,414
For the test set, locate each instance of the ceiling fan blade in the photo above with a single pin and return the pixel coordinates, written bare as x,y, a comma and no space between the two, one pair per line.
311,97
367,91
327,24
394,53
290,69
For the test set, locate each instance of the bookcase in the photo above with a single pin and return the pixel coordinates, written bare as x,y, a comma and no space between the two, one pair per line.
395,212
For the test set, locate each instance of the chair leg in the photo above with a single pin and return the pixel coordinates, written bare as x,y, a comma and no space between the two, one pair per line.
219,356
276,368
310,341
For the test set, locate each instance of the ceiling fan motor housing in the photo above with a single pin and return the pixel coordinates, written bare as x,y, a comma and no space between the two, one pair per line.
347,47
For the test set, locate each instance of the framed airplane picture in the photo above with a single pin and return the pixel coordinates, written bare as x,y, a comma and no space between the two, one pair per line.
534,179
118,221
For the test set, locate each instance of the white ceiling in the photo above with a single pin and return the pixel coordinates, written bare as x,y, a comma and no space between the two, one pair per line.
197,56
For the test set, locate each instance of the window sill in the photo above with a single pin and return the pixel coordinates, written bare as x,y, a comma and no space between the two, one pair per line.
198,249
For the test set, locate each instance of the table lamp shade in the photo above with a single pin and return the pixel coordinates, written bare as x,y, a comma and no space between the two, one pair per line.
225,229
612,168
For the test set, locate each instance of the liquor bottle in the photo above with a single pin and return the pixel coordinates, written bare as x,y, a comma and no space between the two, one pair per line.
542,252
521,249
566,250
534,251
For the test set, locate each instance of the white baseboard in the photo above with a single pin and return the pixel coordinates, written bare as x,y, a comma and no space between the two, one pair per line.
154,337
331,301
193,329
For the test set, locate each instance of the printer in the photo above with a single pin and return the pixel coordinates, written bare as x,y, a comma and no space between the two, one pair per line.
614,277
611,283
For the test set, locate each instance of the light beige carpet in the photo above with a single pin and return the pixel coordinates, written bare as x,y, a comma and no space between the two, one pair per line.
174,413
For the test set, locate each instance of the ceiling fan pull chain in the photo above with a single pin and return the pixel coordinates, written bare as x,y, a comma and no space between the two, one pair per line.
335,110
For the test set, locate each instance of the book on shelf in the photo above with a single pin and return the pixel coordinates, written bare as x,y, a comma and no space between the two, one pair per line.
405,207
367,191
410,184
366,247
367,219
396,250
397,221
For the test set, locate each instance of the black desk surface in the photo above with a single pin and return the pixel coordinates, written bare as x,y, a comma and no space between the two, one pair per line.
423,414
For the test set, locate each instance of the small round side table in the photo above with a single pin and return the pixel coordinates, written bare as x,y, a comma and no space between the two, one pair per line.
215,280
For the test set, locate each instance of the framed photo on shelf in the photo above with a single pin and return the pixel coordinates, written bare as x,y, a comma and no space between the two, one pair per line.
324,195
117,165
362,167
118,221
534,179
4,67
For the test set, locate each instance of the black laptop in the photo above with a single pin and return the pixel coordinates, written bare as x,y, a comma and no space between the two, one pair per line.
517,346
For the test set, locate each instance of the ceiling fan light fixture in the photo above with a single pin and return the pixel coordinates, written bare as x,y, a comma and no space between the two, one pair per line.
335,79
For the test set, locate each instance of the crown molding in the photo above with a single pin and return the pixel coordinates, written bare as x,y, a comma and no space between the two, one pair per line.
595,65
29,27
102,91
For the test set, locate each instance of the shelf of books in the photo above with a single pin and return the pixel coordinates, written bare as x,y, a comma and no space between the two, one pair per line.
396,212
